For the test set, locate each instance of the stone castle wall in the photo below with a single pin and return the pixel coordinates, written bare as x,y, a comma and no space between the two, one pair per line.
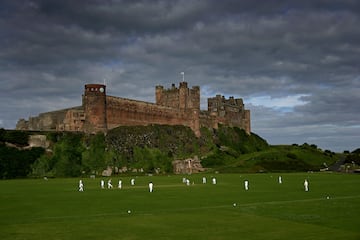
61,120
127,112
174,106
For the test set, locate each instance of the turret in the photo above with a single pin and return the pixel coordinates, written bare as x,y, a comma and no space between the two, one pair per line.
158,92
94,103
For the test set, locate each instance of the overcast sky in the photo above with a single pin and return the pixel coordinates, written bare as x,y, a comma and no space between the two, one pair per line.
296,64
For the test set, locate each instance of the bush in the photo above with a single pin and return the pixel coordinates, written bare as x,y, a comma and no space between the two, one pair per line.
291,156
353,158
15,163
16,137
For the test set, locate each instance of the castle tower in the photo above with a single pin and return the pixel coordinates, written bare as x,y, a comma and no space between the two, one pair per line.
186,100
183,95
94,103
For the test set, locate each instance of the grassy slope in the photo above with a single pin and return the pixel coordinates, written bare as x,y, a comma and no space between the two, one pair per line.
283,158
54,209
149,147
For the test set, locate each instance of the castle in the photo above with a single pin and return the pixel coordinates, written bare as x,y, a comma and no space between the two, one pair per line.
174,106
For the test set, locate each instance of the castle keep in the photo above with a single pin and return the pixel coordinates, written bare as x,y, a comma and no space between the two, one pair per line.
174,106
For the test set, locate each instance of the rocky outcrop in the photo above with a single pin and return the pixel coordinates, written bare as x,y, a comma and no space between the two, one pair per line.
187,166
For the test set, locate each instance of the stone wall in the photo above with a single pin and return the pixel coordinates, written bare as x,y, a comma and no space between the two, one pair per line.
127,112
61,120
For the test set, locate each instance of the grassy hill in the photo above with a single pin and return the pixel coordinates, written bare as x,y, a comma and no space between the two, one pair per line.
284,158
153,148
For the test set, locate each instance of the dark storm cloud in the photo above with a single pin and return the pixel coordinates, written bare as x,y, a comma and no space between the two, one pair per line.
296,64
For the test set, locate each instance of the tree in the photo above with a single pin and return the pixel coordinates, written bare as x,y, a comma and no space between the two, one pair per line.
93,158
68,156
151,159
15,163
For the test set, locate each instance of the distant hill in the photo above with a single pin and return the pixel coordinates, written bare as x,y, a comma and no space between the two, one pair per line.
356,151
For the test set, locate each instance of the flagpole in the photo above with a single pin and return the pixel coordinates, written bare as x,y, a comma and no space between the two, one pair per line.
183,74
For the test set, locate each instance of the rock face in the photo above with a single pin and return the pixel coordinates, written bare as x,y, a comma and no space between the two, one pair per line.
107,172
38,141
174,106
187,166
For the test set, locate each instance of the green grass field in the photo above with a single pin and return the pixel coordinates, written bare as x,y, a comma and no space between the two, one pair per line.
54,209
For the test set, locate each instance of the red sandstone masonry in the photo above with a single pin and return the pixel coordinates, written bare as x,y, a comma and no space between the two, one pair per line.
127,112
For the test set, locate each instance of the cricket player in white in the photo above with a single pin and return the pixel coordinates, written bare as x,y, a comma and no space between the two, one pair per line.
81,186
109,184
132,182
214,181
306,185
120,184
151,186
246,185
204,180
280,180
102,184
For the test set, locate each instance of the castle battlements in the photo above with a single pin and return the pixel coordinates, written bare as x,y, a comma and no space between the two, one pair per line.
173,106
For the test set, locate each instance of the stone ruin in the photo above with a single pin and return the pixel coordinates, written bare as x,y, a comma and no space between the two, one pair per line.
187,166
107,172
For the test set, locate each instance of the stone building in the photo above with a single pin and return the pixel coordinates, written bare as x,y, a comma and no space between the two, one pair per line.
175,106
